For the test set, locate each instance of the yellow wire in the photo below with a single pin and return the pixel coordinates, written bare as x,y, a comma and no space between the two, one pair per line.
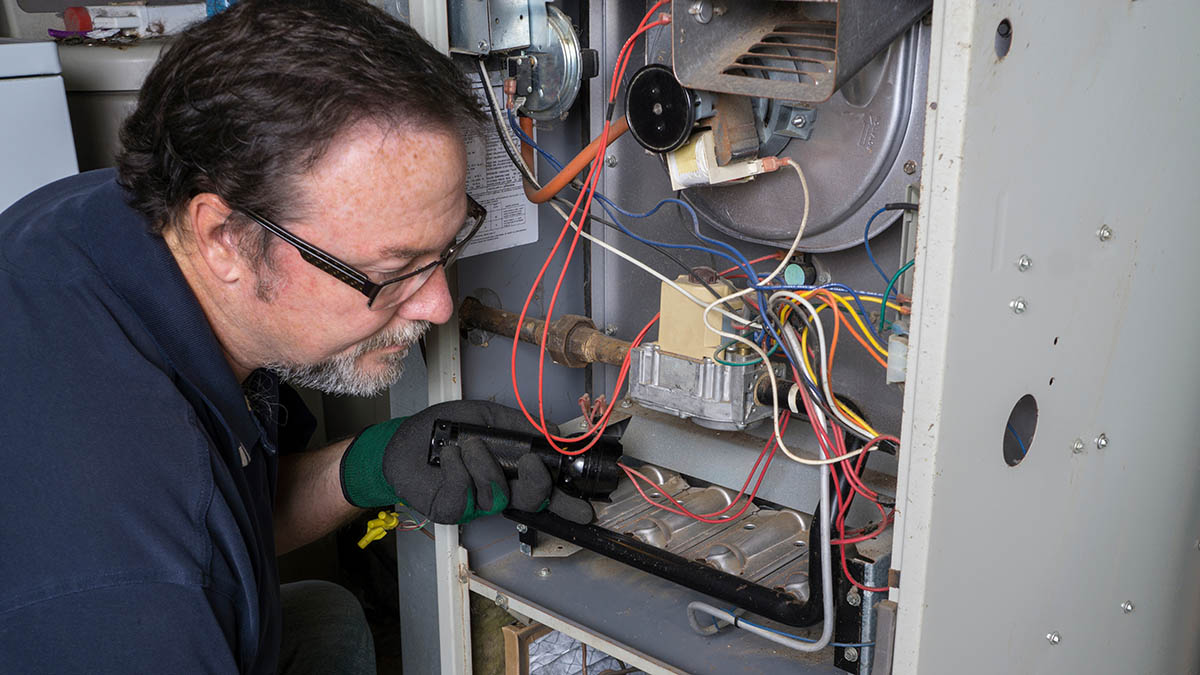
808,369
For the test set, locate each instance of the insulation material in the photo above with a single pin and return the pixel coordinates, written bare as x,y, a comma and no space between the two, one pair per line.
560,654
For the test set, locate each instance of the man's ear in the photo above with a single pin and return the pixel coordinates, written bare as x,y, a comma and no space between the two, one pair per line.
216,244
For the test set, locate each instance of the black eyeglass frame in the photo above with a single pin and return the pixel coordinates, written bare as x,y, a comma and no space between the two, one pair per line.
356,279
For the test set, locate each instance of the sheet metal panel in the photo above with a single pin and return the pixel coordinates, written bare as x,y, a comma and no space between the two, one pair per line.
1022,158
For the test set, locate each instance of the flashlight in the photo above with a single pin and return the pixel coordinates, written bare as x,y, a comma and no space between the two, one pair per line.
593,474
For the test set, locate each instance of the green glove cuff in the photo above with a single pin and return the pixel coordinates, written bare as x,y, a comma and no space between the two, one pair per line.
499,503
363,484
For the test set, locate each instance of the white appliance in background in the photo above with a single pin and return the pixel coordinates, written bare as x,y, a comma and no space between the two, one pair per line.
36,145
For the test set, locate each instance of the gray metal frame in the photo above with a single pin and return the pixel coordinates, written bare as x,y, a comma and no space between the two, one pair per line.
1028,568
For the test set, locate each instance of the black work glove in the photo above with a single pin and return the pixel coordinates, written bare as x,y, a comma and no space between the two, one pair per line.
389,463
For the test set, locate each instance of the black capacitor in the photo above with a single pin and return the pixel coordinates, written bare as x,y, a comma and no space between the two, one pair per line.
590,475
660,111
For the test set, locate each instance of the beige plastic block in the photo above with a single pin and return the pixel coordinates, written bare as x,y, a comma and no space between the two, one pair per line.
681,327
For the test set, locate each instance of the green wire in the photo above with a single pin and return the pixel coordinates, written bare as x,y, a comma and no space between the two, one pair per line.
757,359
888,293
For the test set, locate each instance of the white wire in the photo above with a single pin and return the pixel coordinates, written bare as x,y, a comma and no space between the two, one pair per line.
783,262
761,353
646,268
527,171
794,343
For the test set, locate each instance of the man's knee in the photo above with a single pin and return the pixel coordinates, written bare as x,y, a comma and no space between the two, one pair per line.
324,630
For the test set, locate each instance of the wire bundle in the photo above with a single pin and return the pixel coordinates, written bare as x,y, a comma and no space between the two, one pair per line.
785,320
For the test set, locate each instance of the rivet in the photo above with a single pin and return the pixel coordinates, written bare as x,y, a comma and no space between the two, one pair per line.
853,598
544,572
1018,305
1104,233
610,161
1101,442
910,167
1024,263
1077,446
1127,607
1053,638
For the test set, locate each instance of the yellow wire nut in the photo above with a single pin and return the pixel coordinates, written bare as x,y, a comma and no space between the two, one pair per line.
377,528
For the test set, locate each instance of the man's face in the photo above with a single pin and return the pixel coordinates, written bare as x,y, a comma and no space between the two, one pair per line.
386,202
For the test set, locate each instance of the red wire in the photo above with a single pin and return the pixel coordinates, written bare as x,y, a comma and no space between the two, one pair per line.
589,182
759,259
590,185
633,475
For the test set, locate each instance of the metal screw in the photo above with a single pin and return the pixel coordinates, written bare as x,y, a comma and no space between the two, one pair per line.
483,45
853,598
910,167
626,403
610,161
1101,442
610,329
701,10
1077,446
526,550
1018,305
544,572
799,121
1127,607
1024,263
501,601
1053,638
583,425
1104,233
522,528
851,654
463,574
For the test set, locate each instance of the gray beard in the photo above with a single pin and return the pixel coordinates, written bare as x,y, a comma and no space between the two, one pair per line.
341,375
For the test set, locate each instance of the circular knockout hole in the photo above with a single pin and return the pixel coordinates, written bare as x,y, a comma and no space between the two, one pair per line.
1019,430
1003,38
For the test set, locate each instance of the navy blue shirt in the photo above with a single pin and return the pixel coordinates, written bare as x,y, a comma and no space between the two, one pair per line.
136,484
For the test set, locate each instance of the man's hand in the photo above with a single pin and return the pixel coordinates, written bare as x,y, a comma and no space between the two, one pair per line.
389,462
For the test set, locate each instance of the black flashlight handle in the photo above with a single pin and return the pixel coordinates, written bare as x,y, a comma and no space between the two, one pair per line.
593,474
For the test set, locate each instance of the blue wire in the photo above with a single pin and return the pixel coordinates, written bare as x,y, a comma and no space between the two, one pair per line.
740,261
794,637
867,245
1020,443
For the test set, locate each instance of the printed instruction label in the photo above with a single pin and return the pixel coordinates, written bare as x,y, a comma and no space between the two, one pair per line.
496,184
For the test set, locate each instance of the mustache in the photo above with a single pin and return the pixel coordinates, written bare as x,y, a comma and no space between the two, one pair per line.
401,336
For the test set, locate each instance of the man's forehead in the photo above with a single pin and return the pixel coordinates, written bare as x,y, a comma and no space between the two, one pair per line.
400,189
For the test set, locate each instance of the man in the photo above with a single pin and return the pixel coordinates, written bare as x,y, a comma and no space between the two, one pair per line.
290,190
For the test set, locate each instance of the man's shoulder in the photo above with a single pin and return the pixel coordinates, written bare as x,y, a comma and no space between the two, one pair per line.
49,235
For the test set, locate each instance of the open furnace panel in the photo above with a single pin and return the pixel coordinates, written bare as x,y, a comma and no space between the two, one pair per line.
804,214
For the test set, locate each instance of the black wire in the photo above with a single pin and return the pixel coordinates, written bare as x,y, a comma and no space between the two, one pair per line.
900,206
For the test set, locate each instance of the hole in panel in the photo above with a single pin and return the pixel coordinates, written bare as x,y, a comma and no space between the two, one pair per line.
1003,38
1019,430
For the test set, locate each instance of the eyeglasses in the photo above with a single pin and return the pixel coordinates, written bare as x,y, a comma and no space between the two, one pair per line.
393,291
